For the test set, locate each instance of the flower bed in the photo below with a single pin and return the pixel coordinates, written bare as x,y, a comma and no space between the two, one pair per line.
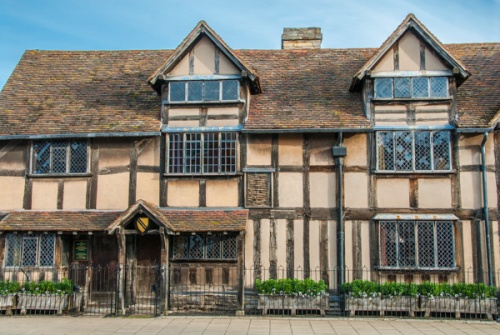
292,295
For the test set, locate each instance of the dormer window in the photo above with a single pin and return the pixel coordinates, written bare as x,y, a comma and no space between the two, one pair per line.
411,88
203,91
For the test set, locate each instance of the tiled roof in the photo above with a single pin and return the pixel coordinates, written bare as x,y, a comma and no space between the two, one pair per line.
64,92
206,219
58,220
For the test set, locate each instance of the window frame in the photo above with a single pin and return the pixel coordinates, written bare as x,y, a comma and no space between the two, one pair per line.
205,237
184,143
432,145
436,254
68,158
203,91
412,95
20,246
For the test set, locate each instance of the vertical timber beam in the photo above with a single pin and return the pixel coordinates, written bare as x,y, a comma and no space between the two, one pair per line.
132,191
240,307
94,170
290,249
256,249
357,250
323,250
163,180
164,271
60,193
28,182
273,261
120,296
307,204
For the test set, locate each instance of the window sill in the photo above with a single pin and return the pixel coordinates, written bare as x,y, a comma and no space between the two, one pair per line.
202,175
203,260
410,99
203,103
444,172
60,175
416,270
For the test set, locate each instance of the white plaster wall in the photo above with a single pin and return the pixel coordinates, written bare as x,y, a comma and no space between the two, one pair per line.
281,245
249,239
365,246
432,63
323,189
183,193
264,244
393,193
290,149
321,149
150,154
179,111
222,193
226,66
356,189
314,244
44,194
112,191
291,191
434,193
298,245
148,187
409,53
11,192
75,194
468,253
13,159
185,124
222,123
471,190
356,150
348,245
386,63
470,151
332,252
259,150
114,153
204,57
182,68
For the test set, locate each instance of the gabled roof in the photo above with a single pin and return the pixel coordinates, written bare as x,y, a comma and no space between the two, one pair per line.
144,208
202,29
413,24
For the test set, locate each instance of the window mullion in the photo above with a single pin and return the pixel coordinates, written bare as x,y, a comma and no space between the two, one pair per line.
202,153
435,245
219,156
397,244
68,156
183,153
394,145
220,90
51,156
415,227
413,151
431,148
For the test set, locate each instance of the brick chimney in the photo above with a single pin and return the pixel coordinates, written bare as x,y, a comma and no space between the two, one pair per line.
301,38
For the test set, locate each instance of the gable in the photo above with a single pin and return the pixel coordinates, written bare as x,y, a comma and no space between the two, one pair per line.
204,58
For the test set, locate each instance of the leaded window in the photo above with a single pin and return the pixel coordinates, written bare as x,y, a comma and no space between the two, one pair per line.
59,157
411,244
213,246
30,250
411,87
202,153
203,91
408,151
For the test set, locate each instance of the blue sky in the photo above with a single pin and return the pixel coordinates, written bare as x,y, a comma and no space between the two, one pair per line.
257,24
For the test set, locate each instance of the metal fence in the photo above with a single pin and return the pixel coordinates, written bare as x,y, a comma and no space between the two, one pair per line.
218,289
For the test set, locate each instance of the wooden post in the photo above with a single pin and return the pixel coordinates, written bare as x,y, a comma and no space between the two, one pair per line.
164,287
120,299
240,308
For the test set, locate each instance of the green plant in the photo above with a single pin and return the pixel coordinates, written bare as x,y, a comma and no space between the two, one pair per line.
287,286
9,287
65,286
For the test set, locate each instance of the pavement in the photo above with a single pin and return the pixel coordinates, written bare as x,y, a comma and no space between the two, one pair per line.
238,325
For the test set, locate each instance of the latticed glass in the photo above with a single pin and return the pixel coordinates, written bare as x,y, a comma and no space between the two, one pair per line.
404,151
193,153
388,249
177,91
228,152
426,249
420,87
211,153
229,246
445,244
30,248
402,88
213,246
196,246
175,153
59,153
383,87
195,91
181,247
230,90
78,157
439,87
47,244
14,243
385,150
41,152
423,151
441,150
406,241
212,91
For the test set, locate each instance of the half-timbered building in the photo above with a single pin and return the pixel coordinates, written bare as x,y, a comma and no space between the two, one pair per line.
224,165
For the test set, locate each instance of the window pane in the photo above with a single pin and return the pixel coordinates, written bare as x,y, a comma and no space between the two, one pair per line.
13,250
383,87
41,152
211,153
196,247
445,252
423,150
228,152
229,247
178,91
439,87
47,243
193,153
404,155
213,247
175,153
406,240
30,245
195,89
420,87
212,90
402,88
441,150
230,90
59,156
426,255
388,252
385,150
78,158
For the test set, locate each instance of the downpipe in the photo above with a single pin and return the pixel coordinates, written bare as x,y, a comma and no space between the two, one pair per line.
485,209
